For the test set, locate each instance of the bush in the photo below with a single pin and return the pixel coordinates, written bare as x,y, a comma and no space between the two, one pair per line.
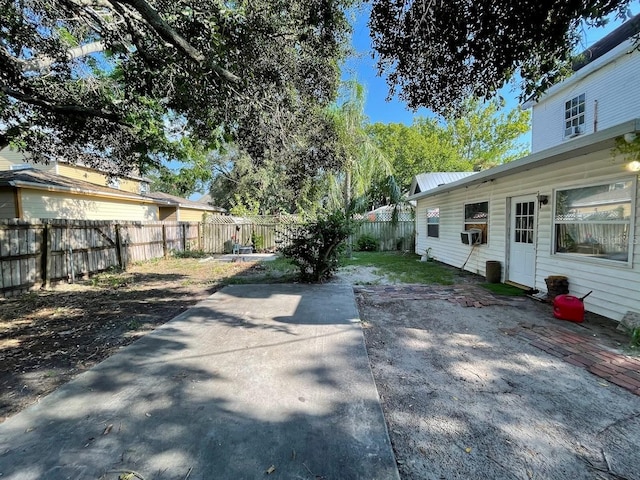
258,242
316,246
189,253
368,243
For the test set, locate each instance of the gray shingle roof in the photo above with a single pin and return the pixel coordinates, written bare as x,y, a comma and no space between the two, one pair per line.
183,202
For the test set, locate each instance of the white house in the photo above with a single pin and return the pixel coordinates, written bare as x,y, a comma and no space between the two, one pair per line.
571,207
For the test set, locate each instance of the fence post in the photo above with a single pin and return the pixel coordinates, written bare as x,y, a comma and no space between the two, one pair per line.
119,256
200,243
48,257
184,237
165,250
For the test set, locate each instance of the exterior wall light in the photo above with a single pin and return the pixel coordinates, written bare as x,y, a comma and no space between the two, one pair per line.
633,166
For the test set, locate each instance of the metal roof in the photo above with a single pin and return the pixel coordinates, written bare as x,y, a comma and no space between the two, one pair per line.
428,181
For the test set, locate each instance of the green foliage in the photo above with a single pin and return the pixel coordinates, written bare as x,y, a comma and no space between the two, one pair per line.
438,53
405,268
630,151
244,208
257,241
503,289
635,338
151,74
188,253
368,243
481,138
364,162
315,247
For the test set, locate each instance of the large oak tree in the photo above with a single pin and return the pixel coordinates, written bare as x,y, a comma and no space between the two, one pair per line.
438,53
125,80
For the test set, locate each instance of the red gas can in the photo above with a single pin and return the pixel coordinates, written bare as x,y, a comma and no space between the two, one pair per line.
568,307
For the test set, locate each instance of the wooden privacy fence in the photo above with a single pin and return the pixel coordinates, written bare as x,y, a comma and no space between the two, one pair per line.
399,236
36,253
219,234
39,252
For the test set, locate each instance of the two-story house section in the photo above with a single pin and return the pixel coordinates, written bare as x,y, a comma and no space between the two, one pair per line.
61,190
604,91
132,183
571,207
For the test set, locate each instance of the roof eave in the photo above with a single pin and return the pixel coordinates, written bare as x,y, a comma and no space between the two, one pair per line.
570,149
622,49
82,191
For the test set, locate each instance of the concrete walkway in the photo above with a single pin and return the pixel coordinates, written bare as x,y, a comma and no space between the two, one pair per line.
258,381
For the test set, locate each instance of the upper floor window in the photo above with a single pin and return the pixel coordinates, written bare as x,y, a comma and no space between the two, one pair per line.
144,188
574,116
113,182
21,166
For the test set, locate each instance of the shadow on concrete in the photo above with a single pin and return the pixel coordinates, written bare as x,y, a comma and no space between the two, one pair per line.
216,394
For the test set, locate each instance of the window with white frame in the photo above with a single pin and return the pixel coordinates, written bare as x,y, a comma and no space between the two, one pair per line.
574,116
144,188
113,182
21,166
595,221
476,215
433,222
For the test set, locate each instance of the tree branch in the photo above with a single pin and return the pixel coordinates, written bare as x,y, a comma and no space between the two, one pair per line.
38,64
164,30
63,109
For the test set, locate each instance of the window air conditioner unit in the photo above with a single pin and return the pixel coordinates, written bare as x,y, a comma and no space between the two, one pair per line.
473,236
572,131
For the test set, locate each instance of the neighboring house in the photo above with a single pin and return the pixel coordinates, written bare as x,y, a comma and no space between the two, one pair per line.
385,213
179,209
12,160
571,207
205,199
69,190
35,194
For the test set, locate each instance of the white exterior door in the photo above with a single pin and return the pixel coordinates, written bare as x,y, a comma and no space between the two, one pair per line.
522,242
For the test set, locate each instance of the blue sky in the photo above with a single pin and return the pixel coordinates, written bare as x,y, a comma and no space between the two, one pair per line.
362,67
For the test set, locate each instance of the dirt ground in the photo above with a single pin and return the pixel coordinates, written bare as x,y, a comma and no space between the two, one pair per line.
462,397
49,337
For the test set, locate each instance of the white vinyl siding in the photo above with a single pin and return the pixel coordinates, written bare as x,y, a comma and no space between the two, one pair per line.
612,97
40,204
615,287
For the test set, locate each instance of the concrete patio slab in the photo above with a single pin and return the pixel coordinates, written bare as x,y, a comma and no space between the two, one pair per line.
258,381
246,257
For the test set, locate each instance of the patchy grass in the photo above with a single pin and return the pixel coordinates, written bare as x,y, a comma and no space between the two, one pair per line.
279,270
635,338
503,289
402,267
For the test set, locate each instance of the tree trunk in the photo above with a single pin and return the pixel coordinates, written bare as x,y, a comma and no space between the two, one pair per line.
347,190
